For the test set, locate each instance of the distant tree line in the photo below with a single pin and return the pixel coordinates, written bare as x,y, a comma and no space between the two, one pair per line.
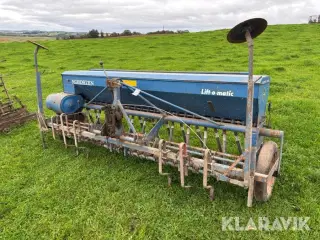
314,19
94,33
34,32
168,32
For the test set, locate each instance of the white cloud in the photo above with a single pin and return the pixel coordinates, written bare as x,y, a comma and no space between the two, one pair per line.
148,15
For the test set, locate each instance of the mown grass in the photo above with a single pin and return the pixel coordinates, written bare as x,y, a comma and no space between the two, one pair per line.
51,194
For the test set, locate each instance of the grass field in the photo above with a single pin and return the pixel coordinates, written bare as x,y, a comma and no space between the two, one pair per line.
51,194
23,39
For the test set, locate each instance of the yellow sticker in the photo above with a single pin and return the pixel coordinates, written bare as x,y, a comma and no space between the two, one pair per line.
132,83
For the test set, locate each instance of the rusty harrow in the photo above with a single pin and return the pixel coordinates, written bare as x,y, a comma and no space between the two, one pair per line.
12,111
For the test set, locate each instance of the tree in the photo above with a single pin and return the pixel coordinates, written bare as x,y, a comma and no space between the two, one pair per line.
114,34
182,31
93,33
136,33
126,33
161,32
101,34
84,35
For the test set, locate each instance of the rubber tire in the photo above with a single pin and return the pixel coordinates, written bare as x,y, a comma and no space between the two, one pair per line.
268,155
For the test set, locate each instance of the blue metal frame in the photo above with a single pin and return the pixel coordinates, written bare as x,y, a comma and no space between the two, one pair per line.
39,90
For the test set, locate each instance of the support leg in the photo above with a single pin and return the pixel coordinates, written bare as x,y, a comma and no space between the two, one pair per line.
251,178
218,140
63,132
206,160
75,136
224,141
182,167
162,149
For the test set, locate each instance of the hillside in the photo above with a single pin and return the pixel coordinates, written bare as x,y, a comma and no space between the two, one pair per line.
53,194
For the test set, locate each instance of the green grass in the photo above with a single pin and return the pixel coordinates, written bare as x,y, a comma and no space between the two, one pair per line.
51,194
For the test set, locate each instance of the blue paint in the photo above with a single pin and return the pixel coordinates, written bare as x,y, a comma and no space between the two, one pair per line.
171,76
64,103
39,92
192,91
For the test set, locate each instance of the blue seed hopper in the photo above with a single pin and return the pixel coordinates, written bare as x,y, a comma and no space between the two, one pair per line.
218,95
125,110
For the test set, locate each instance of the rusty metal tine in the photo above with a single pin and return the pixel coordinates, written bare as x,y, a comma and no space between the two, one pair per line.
182,153
57,122
95,116
206,159
205,137
67,122
140,121
75,136
218,139
205,168
183,132
52,129
171,132
168,129
161,143
224,141
125,151
62,129
89,115
238,142
143,130
154,142
186,172
98,112
281,147
162,148
130,119
188,136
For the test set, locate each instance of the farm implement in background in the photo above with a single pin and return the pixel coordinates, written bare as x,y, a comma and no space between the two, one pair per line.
12,111
183,119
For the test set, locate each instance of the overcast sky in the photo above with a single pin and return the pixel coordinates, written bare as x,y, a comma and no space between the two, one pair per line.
148,15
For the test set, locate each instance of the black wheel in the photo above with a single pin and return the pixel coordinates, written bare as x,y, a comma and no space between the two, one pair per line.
267,157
